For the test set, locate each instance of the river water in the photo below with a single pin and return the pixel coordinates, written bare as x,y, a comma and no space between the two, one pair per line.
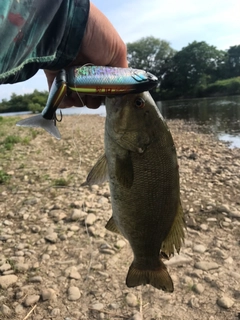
218,115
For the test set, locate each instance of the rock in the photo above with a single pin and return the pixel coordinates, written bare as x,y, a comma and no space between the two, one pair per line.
94,187
5,267
225,302
52,237
97,306
205,265
204,227
36,279
191,222
103,200
131,300
35,229
19,309
78,214
199,248
178,260
198,288
74,275
90,219
114,306
55,312
31,299
7,281
5,310
48,294
120,244
187,281
193,302
73,293
21,267
136,316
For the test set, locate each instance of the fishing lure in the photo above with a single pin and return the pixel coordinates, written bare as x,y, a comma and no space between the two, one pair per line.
89,80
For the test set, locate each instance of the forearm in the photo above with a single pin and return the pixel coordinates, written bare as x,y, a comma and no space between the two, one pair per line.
39,34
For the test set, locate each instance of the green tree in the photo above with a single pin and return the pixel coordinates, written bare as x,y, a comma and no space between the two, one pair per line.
150,54
193,68
233,62
28,102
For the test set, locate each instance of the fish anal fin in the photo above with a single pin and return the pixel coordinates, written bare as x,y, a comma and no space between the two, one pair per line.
158,278
175,237
111,226
99,172
124,170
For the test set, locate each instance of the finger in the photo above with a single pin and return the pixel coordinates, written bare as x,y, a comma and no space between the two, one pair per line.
75,100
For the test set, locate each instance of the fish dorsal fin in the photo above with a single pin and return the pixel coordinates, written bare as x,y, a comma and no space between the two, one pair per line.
111,226
99,172
175,237
124,170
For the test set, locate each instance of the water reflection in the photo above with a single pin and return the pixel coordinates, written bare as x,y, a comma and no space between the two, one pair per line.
220,115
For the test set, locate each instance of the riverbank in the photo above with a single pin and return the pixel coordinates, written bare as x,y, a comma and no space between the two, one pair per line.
58,261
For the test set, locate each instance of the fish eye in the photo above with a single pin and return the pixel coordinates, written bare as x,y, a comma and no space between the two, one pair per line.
139,103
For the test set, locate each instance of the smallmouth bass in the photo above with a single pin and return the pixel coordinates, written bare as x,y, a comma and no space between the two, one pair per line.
140,163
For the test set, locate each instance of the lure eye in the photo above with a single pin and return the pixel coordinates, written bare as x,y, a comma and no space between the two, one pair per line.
139,103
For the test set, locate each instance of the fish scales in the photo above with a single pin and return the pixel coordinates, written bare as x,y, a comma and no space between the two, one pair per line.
141,164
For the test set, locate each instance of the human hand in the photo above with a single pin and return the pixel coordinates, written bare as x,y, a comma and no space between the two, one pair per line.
101,45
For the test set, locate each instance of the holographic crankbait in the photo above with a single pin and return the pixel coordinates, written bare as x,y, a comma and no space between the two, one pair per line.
89,80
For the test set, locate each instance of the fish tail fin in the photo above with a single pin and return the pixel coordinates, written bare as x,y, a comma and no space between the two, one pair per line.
40,122
158,278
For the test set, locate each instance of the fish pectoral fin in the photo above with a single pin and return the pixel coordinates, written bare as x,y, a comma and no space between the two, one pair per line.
111,226
158,278
175,237
124,170
99,172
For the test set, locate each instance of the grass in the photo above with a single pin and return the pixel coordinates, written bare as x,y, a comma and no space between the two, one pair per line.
7,142
4,177
62,182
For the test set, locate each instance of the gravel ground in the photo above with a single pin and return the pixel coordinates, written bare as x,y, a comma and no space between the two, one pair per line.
57,260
